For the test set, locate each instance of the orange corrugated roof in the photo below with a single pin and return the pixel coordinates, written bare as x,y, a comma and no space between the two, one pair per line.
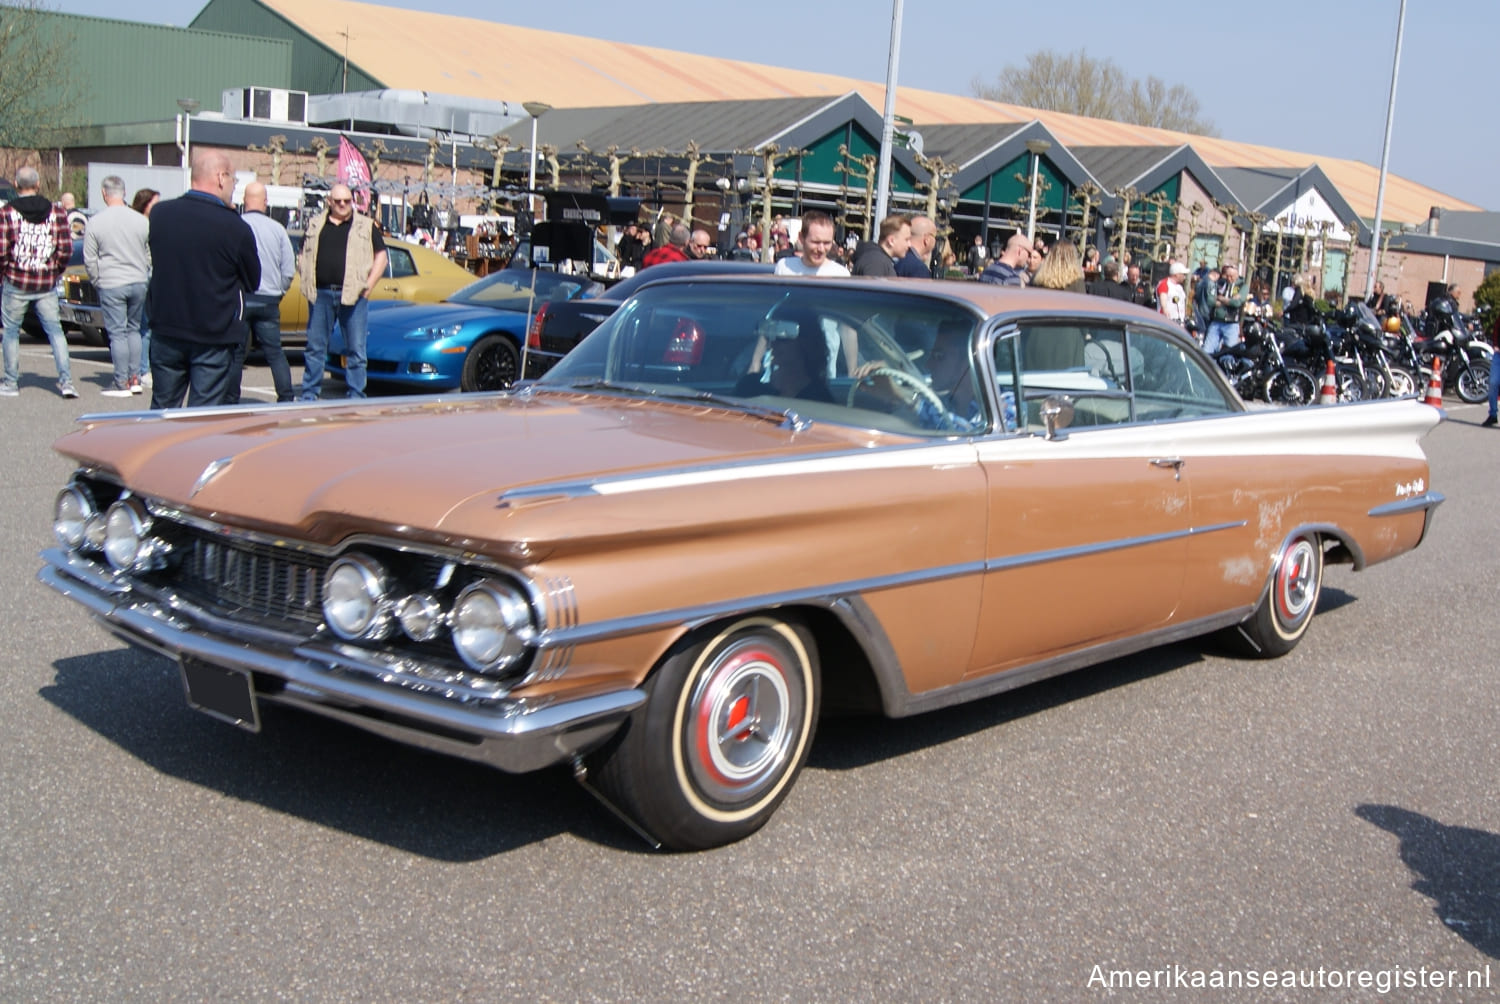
501,62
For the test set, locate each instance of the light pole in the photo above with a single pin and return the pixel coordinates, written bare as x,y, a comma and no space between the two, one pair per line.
184,127
536,109
1385,152
1035,147
888,124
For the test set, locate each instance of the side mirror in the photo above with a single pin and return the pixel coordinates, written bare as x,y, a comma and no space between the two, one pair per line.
1057,414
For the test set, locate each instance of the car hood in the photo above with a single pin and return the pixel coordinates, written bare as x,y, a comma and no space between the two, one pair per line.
410,316
464,471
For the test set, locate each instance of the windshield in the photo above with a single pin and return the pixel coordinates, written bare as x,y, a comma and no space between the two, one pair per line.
514,288
895,362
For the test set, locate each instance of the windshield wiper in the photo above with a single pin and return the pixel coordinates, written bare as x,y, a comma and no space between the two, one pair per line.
781,416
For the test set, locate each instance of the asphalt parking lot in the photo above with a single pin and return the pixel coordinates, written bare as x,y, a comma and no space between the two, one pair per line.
1324,815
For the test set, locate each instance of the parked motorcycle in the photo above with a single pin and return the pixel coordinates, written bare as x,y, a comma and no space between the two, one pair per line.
1367,349
1258,370
1312,346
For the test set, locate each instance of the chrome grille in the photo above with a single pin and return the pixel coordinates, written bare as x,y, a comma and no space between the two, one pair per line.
264,580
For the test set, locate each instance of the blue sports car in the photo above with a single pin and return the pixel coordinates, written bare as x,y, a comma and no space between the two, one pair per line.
471,341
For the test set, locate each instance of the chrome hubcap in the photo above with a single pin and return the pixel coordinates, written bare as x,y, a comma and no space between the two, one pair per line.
740,732
1296,580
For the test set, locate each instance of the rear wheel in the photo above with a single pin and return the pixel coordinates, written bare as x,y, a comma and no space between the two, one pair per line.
724,732
1282,617
492,364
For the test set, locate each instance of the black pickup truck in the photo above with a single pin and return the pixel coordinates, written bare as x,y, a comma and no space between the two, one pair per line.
558,327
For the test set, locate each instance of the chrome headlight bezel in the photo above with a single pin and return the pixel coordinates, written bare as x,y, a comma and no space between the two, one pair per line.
71,528
361,609
127,532
491,624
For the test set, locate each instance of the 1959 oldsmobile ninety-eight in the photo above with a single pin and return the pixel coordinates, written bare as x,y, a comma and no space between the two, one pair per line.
741,502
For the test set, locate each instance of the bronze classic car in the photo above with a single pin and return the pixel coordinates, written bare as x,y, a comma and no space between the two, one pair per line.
740,503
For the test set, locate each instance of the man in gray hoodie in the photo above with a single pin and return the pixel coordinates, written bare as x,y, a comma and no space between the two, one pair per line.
118,257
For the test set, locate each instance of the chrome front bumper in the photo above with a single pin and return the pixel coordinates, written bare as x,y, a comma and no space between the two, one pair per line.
515,735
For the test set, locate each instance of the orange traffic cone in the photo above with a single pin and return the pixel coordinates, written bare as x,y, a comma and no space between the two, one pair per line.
1435,385
1330,392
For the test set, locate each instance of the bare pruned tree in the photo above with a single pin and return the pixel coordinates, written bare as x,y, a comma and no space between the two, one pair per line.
1080,84
38,96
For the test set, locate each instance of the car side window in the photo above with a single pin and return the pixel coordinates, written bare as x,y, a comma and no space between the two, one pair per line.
398,263
1171,381
1085,362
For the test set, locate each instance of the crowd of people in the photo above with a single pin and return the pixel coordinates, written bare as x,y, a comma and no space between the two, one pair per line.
184,283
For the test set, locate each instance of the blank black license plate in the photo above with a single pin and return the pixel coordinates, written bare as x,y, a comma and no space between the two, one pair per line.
224,693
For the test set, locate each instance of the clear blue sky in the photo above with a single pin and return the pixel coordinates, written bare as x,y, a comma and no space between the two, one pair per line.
1308,75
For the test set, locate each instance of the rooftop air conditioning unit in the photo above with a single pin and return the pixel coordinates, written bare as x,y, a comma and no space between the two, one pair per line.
266,104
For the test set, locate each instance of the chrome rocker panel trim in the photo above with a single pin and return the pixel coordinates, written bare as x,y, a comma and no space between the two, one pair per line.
514,735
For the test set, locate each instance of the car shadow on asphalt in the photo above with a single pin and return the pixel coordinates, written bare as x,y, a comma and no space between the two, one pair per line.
848,742
1458,868
325,772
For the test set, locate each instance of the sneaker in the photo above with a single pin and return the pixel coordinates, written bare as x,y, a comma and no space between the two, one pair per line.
66,389
144,379
9,390
1488,422
135,385
115,392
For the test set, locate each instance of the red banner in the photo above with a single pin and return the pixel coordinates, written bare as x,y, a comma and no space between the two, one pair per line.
354,171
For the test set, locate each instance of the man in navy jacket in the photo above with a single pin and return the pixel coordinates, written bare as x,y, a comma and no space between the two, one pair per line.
203,265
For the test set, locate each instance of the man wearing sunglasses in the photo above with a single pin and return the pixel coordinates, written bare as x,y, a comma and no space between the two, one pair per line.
343,257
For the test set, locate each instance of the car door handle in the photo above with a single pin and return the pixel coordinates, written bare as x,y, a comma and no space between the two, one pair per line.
390,287
1173,462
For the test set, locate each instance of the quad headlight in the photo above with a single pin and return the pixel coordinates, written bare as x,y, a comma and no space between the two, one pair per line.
491,624
71,514
127,531
355,602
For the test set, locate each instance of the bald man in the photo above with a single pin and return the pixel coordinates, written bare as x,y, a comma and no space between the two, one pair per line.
343,258
203,265
278,265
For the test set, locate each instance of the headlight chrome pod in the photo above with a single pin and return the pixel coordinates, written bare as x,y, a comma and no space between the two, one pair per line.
71,514
127,533
355,601
420,616
491,624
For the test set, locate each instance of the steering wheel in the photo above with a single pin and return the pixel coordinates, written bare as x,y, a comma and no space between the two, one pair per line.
902,377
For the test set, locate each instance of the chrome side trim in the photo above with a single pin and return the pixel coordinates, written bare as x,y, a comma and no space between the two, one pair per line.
1103,547
589,486
911,704
1417,503
705,612
829,593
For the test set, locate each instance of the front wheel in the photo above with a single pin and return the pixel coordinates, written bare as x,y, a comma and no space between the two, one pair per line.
492,364
1284,613
725,729
1473,383
1293,386
1404,383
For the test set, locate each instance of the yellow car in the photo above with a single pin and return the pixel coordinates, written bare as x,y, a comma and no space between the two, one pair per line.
412,272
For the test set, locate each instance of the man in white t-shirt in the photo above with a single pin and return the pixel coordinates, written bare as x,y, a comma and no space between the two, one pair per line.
817,241
1174,302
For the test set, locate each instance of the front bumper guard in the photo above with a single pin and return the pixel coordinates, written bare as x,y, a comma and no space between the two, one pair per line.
513,734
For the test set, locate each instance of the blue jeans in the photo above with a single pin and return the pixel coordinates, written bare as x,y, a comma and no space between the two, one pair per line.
122,308
1494,382
1221,335
199,371
13,305
326,309
145,366
264,315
